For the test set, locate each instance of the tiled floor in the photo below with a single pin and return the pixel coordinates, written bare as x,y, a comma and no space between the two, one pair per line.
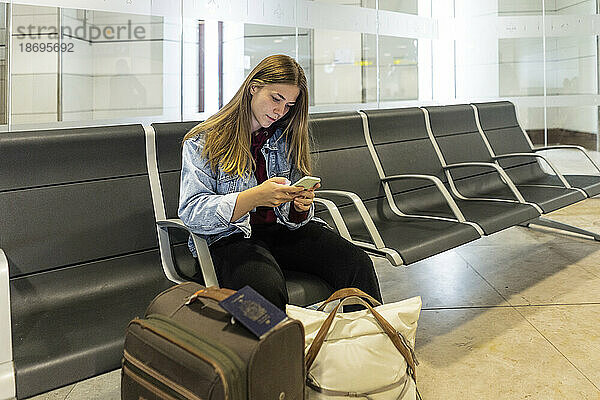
512,316
515,315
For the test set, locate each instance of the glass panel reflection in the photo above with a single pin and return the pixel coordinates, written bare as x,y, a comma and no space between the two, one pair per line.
401,6
116,74
398,69
77,65
521,67
344,67
355,3
572,73
34,81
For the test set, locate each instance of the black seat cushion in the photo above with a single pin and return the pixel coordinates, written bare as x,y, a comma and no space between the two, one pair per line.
305,289
413,238
589,183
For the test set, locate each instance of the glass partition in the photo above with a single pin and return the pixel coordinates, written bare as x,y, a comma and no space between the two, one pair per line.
354,3
77,65
571,74
398,68
117,74
401,6
34,71
340,58
158,60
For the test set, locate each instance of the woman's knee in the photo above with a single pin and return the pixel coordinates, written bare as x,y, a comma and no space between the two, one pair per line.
357,258
363,258
266,279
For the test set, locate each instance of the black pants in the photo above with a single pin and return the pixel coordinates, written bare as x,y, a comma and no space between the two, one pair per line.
312,248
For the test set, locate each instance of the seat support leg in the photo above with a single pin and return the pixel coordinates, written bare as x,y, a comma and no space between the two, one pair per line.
562,226
7,381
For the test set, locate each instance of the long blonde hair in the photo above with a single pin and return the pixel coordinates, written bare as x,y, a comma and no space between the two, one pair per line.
227,133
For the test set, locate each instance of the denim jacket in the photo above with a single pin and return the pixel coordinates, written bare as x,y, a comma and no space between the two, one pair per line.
207,198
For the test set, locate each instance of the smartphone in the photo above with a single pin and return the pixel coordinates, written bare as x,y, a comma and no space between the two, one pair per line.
307,182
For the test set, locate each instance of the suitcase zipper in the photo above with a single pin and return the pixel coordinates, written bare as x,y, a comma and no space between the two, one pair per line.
147,385
221,358
159,377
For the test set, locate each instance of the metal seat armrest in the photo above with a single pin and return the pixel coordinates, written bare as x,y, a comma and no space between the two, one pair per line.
571,147
440,186
499,170
171,223
7,370
552,167
362,211
337,217
204,258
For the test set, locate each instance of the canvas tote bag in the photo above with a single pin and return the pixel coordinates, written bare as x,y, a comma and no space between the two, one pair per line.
362,354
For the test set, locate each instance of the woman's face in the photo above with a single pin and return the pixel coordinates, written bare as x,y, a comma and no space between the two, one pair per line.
270,103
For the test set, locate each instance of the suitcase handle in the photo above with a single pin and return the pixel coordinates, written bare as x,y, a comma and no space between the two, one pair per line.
211,292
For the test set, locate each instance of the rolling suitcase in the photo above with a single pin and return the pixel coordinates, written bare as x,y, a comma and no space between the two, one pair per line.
195,351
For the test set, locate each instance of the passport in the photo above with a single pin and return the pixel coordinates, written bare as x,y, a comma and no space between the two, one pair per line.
253,311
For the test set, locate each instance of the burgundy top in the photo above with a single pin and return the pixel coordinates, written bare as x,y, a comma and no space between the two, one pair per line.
266,215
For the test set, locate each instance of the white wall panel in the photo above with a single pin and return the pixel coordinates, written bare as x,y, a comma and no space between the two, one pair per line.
34,95
121,6
272,12
233,59
529,26
336,17
219,10
405,25
476,8
78,93
336,71
167,8
80,61
575,6
32,62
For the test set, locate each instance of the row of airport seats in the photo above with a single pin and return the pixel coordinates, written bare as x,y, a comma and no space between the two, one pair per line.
79,250
414,182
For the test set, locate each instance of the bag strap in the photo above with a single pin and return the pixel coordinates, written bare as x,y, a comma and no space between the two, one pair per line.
211,292
347,292
399,342
396,337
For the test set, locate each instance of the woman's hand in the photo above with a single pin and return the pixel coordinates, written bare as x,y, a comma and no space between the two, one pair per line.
303,201
274,192
271,193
